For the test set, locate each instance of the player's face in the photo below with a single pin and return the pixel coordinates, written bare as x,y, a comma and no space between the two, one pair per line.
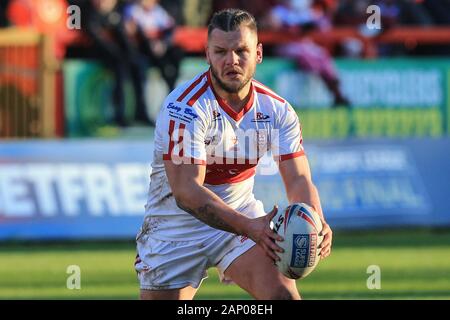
233,57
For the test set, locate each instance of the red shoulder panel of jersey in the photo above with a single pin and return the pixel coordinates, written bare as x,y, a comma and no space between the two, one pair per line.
190,88
198,94
260,88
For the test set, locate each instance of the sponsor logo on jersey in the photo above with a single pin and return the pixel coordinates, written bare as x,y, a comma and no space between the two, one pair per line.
187,115
172,106
191,113
261,117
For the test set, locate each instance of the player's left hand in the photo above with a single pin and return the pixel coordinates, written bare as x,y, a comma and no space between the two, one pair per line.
325,246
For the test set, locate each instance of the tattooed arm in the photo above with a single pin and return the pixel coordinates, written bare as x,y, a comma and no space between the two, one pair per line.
206,215
186,182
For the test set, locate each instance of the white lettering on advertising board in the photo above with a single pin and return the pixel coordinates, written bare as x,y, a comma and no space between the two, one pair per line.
96,189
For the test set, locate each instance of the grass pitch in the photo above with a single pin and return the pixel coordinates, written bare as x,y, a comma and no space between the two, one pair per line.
414,264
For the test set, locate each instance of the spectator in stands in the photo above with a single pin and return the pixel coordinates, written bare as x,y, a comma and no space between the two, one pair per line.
394,13
175,9
3,20
351,13
258,8
304,15
45,16
438,10
153,28
104,24
197,12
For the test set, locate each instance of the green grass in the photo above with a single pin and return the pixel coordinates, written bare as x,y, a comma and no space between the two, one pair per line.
414,264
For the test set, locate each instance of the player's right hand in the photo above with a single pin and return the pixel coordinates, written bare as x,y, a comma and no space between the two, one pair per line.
260,232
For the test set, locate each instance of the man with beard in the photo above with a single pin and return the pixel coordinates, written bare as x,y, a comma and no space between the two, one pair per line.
201,211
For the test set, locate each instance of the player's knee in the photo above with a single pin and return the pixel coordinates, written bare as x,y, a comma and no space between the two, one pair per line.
284,293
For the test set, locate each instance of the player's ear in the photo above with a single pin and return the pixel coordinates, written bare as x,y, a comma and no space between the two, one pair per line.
259,53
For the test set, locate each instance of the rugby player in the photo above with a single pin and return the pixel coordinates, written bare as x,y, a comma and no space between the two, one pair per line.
201,211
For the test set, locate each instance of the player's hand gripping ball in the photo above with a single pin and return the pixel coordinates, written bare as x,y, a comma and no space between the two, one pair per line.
300,227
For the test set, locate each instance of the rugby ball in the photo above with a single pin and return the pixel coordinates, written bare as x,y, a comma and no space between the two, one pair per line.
300,226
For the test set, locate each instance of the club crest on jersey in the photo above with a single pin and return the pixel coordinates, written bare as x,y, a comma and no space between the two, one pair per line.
216,115
261,117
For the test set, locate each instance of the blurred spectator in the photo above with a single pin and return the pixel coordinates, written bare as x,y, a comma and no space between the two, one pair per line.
197,12
405,12
393,12
175,8
153,28
306,15
258,8
351,12
104,24
3,20
45,16
439,10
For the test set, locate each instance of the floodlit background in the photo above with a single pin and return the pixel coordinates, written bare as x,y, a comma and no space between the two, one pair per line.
81,83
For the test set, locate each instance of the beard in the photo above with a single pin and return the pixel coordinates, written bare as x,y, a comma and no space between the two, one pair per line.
234,88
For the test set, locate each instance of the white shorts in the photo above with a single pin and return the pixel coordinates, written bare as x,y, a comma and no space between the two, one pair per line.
162,265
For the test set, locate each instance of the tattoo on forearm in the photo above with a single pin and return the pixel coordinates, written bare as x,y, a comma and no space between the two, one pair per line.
207,215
